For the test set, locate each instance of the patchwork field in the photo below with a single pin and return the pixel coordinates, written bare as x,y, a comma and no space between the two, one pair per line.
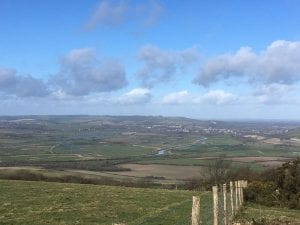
164,148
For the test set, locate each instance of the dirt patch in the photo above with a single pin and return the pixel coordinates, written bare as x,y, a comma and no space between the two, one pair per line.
13,168
295,140
166,171
258,159
267,161
256,137
273,141
206,158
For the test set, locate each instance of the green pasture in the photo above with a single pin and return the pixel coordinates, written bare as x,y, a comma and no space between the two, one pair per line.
38,203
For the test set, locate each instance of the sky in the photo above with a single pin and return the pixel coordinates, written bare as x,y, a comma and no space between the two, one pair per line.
208,59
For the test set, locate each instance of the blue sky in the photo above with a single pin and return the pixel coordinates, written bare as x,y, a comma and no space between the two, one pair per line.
200,59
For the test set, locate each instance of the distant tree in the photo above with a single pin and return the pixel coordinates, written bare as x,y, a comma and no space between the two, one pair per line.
218,169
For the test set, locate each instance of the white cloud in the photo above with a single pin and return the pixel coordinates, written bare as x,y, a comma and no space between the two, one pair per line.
21,86
78,56
135,96
274,94
278,63
160,65
178,98
214,97
219,97
82,73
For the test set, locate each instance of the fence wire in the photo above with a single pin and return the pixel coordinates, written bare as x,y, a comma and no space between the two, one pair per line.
170,215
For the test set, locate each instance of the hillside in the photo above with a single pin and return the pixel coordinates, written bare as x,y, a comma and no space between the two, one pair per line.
55,203
39,203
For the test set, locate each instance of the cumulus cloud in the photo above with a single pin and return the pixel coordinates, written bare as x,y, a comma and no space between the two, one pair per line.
274,94
82,73
21,86
178,98
218,97
135,96
278,63
116,12
160,65
7,80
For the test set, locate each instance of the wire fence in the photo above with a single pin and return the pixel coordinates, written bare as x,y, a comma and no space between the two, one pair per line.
207,212
221,205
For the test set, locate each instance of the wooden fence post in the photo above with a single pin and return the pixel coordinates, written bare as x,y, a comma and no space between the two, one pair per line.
236,197
244,185
196,211
240,192
216,204
231,199
225,204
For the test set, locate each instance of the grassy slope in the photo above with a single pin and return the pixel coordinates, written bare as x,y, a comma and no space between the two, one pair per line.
258,212
39,203
55,203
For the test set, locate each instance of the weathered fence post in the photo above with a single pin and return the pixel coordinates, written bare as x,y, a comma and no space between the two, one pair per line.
225,204
231,199
244,185
216,204
240,192
196,211
236,197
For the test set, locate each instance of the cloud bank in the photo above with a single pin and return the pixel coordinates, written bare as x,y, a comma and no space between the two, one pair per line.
273,77
214,97
275,94
278,63
135,96
82,73
21,86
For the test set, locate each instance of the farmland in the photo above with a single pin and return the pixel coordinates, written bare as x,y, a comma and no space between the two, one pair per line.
107,144
124,166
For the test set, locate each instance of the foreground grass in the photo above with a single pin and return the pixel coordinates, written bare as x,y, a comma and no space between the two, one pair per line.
270,214
40,203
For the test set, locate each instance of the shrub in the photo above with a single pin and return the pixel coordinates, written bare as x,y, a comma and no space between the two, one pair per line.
263,193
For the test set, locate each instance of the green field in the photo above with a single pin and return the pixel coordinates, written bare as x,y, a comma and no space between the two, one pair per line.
39,203
58,138
107,143
55,203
